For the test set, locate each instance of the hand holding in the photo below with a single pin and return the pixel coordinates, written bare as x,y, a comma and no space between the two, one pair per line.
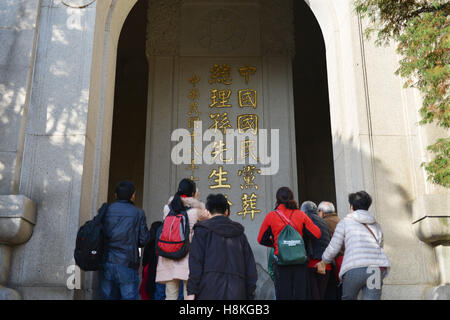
321,267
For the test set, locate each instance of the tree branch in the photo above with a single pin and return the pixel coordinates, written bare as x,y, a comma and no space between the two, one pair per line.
445,7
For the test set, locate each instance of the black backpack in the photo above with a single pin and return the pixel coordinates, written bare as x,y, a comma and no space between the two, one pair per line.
90,243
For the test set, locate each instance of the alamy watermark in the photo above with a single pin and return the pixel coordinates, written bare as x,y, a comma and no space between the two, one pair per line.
74,280
235,147
374,280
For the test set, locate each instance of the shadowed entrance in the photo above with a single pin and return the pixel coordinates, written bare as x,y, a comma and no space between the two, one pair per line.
130,104
315,168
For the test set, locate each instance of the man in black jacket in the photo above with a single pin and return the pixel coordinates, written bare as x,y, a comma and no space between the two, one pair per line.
315,248
221,262
125,229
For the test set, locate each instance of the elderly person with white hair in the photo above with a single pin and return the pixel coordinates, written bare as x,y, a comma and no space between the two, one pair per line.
327,212
315,247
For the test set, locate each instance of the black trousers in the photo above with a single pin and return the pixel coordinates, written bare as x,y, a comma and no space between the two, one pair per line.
318,283
291,282
334,288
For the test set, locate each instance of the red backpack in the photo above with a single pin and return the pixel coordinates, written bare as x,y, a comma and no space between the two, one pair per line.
172,238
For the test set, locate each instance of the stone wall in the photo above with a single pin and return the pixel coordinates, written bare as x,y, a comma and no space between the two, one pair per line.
18,23
54,137
378,146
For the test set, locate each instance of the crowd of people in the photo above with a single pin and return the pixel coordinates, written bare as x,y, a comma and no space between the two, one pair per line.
313,254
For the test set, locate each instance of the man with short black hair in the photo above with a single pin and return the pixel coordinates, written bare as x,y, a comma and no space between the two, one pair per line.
221,262
360,200
125,229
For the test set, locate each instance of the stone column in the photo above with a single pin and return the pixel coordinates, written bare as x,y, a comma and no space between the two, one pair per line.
18,33
54,134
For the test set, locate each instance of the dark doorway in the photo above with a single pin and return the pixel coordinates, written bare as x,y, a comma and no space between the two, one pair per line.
130,104
312,111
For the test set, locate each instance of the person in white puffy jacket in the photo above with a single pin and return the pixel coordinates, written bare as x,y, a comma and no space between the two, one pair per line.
365,263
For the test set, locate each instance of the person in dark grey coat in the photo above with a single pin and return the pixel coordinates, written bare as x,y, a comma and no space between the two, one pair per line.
221,262
315,247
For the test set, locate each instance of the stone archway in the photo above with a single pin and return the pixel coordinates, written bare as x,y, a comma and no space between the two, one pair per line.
130,104
110,17
345,66
109,21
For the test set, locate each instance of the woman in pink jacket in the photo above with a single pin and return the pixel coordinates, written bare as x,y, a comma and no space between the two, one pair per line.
171,272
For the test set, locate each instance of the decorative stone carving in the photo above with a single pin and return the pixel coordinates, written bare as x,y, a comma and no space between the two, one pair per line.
221,30
431,222
17,219
277,27
163,27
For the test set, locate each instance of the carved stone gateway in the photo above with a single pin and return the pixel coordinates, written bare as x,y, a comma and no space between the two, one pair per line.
206,58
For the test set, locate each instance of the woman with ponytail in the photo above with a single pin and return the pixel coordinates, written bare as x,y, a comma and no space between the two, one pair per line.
171,272
290,280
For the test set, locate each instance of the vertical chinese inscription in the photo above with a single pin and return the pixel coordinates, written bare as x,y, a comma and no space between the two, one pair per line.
193,117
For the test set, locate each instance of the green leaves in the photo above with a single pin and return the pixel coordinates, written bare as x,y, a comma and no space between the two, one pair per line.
422,31
439,168
424,46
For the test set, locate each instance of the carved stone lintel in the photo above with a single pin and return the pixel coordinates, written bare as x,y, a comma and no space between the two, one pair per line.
277,28
220,30
163,27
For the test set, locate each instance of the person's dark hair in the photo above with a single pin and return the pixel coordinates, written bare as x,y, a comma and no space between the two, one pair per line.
186,187
360,200
217,203
125,190
286,196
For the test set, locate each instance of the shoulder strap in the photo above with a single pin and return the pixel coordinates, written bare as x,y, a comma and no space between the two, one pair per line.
101,212
365,225
281,215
